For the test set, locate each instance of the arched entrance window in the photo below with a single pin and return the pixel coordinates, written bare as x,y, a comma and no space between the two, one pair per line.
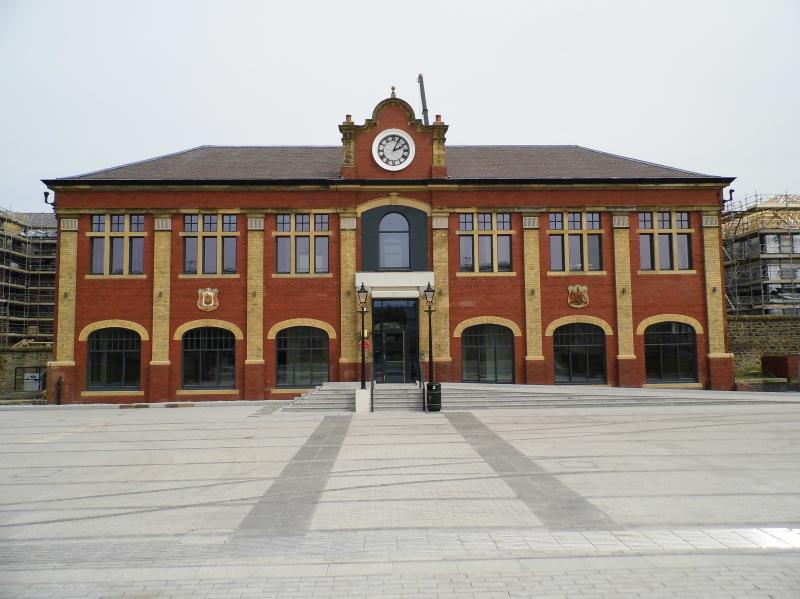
487,354
670,353
393,246
579,354
302,359
114,360
209,358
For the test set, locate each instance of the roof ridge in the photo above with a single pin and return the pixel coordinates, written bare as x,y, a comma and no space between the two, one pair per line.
113,168
672,168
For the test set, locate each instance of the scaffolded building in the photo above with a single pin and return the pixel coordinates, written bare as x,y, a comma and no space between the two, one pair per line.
761,245
27,277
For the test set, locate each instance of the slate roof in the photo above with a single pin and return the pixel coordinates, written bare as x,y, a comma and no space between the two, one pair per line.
322,163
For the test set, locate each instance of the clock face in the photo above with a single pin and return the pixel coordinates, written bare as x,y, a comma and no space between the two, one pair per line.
393,150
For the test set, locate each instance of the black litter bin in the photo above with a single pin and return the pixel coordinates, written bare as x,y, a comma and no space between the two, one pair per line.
434,392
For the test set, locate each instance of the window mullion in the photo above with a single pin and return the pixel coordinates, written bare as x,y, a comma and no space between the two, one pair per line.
585,250
475,257
107,249
312,253
292,265
495,267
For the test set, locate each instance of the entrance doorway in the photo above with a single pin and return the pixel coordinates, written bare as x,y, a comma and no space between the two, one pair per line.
395,337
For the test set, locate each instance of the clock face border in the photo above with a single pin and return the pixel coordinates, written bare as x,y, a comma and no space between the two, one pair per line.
377,141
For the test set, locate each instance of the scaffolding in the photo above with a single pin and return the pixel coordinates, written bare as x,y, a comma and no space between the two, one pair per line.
761,249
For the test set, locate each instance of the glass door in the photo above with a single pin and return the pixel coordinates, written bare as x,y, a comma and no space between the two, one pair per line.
395,340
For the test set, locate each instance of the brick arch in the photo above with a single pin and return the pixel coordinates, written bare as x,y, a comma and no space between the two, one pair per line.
208,322
301,322
113,323
471,322
393,201
582,319
651,320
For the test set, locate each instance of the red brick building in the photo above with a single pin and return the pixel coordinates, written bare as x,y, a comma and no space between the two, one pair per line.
231,271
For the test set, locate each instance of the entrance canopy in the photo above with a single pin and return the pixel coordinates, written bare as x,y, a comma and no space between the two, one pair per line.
395,285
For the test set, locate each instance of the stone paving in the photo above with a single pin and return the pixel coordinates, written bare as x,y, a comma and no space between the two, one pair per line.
250,501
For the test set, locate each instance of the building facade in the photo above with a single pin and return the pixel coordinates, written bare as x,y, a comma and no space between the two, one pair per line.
231,272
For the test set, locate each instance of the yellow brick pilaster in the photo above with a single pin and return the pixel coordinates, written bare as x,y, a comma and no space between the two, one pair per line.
441,304
348,301
533,288
162,249
255,290
67,284
714,294
622,278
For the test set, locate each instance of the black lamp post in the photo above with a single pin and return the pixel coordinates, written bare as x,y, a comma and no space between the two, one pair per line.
362,293
429,293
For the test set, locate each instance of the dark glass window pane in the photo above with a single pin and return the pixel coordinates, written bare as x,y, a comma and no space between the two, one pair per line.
681,220
190,223
283,250
137,223
503,221
320,222
302,357
98,245
485,221
504,253
684,251
136,256
209,358
466,253
485,253
646,252
228,254
98,223
190,255
579,354
302,222
321,254
487,354
556,252
465,222
670,352
393,222
209,255
574,220
301,254
210,222
556,220
576,252
645,220
116,262
229,222
595,250
393,250
284,223
665,251
118,223
113,359
132,369
663,220
592,220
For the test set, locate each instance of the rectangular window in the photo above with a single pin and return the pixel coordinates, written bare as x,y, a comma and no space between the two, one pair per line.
209,226
646,252
190,255
645,220
556,221
574,221
575,252
681,220
485,221
485,263
466,260
116,263
136,256
321,223
209,253
592,220
684,251
301,222
284,223
228,254
229,222
503,221
283,251
665,251
190,223
556,252
301,254
117,223
98,223
137,223
321,253
465,222
664,220
504,253
595,251
98,245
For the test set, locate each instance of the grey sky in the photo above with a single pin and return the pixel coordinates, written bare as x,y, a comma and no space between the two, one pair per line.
710,86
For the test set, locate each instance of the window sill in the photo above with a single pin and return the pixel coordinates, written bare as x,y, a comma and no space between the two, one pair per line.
213,391
114,277
576,273
666,272
303,275
676,385
466,273
113,393
209,276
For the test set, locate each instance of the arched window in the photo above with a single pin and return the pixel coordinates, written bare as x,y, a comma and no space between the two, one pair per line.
393,242
209,358
579,353
302,357
487,354
670,353
114,359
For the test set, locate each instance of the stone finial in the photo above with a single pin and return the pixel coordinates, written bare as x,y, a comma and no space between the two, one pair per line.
394,95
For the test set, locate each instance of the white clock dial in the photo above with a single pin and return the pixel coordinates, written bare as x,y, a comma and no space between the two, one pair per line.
393,149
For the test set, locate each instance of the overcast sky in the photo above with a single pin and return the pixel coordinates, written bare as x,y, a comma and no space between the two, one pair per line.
709,86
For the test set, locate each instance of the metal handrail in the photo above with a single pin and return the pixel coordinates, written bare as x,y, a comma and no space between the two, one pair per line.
372,393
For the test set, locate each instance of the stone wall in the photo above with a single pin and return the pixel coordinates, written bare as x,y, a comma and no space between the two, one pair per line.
13,358
749,337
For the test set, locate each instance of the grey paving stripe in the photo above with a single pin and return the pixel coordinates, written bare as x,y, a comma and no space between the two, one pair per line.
553,502
287,507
